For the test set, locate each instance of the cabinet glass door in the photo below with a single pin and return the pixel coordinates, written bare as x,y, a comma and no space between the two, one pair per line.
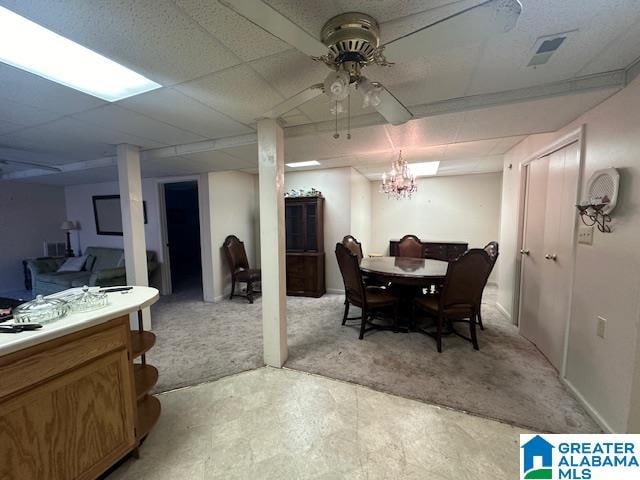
294,227
311,214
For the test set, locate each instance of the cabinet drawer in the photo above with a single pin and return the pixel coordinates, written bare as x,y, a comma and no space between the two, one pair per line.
33,365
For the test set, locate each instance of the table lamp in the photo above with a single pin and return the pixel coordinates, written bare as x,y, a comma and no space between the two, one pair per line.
67,226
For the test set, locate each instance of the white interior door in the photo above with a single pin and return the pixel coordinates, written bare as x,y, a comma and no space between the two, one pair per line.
557,270
532,249
548,273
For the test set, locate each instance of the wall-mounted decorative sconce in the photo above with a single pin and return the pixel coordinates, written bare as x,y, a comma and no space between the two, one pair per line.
602,195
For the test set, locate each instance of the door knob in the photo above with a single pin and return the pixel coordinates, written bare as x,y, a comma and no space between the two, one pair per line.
524,252
551,257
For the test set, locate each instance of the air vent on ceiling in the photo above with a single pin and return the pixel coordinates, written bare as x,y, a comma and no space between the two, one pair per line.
546,46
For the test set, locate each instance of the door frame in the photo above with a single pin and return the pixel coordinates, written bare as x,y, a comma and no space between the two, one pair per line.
576,135
167,287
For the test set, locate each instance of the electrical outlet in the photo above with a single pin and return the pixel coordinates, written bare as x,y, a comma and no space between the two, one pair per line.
585,235
602,325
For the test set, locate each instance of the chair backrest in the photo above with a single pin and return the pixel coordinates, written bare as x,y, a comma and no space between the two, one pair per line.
235,253
351,274
353,245
466,279
492,250
410,246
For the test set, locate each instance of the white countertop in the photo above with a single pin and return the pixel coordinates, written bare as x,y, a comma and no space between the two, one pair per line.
119,304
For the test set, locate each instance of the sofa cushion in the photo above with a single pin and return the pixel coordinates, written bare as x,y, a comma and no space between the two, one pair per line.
105,257
73,264
88,265
64,279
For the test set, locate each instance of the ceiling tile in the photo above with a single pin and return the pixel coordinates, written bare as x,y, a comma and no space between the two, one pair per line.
216,161
290,72
76,139
6,127
29,89
152,131
502,66
170,106
508,120
238,92
153,37
25,115
246,153
245,39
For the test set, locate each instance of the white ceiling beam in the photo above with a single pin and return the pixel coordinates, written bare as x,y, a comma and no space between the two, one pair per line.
199,147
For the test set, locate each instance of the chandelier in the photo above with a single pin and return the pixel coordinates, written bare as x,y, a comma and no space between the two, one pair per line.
400,182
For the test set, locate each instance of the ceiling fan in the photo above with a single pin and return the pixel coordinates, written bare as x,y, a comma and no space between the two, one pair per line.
351,42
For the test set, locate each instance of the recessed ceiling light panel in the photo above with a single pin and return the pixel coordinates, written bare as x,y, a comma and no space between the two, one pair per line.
424,169
26,45
310,163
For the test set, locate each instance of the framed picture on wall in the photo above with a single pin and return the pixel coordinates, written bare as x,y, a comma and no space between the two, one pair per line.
108,216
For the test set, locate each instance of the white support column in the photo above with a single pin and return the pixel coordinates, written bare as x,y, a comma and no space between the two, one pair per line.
207,248
272,241
135,247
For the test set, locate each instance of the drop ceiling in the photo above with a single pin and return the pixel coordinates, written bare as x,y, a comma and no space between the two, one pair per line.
220,73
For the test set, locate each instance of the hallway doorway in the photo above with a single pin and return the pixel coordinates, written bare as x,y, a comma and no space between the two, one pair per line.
183,236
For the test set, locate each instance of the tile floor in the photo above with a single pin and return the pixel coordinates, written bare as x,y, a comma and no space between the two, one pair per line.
283,424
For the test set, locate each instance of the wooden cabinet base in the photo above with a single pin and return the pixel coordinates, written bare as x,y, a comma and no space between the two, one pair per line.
68,407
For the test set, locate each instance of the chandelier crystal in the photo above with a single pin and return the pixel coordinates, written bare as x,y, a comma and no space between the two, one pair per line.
399,182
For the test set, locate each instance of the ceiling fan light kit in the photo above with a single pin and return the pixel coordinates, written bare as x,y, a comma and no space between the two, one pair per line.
352,42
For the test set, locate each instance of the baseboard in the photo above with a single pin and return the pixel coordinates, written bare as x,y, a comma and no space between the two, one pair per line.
589,408
336,291
503,311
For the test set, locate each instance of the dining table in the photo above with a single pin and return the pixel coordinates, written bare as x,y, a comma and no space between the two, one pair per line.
417,272
408,277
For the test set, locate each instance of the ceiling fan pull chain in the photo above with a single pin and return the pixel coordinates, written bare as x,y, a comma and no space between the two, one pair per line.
336,135
349,116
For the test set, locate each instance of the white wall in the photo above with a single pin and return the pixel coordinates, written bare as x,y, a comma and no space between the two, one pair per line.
457,208
361,209
80,209
604,372
30,214
233,210
335,185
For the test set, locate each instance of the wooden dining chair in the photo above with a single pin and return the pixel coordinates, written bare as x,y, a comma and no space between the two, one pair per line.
353,245
493,250
410,246
461,295
239,266
369,299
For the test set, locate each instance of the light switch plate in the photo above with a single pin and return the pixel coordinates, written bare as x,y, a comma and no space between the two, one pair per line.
602,325
585,235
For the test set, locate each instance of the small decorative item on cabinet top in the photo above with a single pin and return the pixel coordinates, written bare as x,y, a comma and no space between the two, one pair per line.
303,192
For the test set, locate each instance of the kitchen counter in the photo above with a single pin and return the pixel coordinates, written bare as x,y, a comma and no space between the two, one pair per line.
76,395
119,304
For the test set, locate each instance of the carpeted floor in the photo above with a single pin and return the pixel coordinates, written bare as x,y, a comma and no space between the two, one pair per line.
508,379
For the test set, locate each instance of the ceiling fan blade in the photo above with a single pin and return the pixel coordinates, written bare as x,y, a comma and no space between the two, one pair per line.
42,166
273,22
390,107
298,99
471,25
